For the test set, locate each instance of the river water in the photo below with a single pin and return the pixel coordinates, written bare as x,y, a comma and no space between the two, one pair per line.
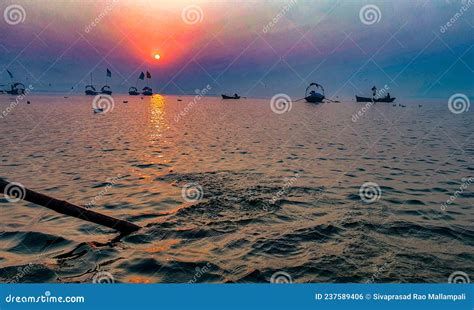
230,191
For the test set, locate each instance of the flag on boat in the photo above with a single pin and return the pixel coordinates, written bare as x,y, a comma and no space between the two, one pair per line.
148,75
109,74
10,74
142,76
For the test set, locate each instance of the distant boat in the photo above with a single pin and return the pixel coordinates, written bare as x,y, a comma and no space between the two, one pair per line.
106,90
98,110
90,89
133,91
16,89
367,99
147,91
235,96
314,93
375,97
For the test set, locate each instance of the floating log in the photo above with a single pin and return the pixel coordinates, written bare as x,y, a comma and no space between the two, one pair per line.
67,208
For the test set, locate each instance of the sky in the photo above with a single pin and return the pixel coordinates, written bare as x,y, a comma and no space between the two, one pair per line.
254,48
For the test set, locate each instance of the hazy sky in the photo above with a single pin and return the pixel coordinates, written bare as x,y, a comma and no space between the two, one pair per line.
256,48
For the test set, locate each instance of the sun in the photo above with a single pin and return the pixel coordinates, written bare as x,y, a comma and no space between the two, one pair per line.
157,56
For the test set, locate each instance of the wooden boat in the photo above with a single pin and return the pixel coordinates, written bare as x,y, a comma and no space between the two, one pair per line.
314,93
316,98
16,89
230,97
91,91
367,99
106,90
147,91
133,91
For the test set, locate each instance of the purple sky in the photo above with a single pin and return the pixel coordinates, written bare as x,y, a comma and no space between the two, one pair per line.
254,48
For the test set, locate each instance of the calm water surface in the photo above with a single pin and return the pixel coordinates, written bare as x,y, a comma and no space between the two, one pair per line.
280,192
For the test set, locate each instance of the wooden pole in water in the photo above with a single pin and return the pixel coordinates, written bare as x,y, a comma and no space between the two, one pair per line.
67,208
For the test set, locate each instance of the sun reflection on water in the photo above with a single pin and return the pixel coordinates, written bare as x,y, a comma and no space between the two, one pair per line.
157,115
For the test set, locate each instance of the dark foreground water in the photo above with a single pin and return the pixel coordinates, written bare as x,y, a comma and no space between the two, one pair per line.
229,191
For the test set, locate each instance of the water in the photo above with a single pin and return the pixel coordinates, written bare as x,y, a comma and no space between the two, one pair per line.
280,192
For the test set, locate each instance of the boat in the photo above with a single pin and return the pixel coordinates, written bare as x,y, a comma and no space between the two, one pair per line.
133,91
98,110
16,89
235,96
106,90
314,93
376,97
387,99
91,91
147,91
